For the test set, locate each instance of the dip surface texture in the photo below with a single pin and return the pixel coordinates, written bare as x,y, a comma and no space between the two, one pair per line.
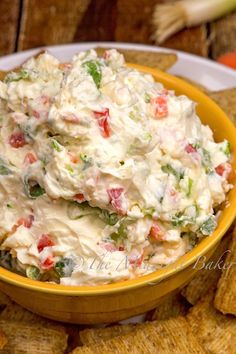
104,174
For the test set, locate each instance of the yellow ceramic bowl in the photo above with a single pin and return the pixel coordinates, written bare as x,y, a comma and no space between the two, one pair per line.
113,302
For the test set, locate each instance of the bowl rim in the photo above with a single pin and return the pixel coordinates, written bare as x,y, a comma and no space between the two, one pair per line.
184,261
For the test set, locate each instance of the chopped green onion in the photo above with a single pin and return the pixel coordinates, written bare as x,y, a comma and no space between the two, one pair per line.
148,211
69,168
88,161
122,229
226,148
32,189
190,186
108,218
181,220
9,205
208,226
206,161
168,19
120,234
36,191
170,170
78,210
65,267
56,146
93,68
135,115
147,98
196,145
33,272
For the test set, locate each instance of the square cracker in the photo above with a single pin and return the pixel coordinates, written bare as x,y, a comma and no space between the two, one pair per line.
170,336
214,331
226,99
30,338
225,299
173,306
161,61
14,312
94,335
207,277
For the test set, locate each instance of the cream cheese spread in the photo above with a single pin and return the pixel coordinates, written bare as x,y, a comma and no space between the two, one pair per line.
104,174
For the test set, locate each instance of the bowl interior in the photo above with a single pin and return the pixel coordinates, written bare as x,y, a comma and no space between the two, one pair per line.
223,128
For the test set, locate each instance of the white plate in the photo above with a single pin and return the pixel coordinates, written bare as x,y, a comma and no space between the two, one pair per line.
206,72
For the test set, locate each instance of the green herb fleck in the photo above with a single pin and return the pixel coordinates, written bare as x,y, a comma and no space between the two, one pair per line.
21,75
9,205
93,68
196,145
147,136
122,162
208,226
44,161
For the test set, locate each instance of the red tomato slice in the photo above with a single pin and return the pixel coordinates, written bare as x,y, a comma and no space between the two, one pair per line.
17,140
103,122
45,241
30,159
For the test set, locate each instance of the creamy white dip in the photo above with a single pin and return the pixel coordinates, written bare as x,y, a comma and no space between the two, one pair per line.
104,174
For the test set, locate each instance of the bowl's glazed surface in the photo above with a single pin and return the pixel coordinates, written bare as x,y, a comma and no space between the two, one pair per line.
117,301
